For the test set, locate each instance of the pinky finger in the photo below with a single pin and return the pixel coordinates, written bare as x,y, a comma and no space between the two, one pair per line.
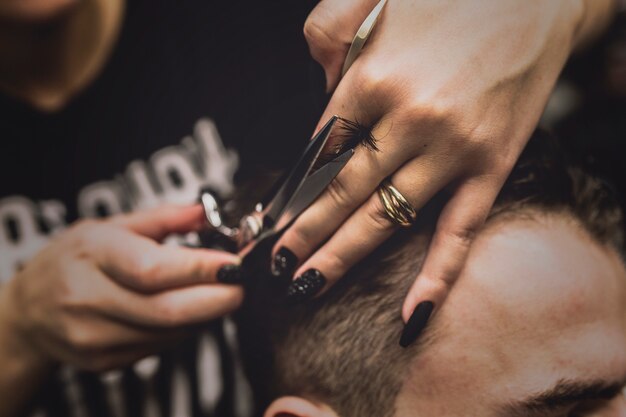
457,226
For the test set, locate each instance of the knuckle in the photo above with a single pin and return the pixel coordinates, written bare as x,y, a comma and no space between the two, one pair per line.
425,116
480,142
145,268
336,263
81,237
465,135
377,218
313,30
441,282
373,81
321,32
483,142
431,112
299,237
82,340
462,237
444,282
339,193
72,292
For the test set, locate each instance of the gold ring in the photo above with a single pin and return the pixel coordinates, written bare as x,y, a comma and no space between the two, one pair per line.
361,36
396,206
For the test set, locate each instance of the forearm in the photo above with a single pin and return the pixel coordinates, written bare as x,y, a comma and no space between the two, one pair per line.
596,16
22,368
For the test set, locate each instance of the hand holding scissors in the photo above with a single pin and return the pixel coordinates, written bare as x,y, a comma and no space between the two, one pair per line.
451,91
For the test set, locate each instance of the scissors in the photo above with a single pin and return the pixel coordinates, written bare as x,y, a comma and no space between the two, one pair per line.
258,230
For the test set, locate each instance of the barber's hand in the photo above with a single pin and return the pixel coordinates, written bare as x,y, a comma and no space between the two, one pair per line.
453,91
106,293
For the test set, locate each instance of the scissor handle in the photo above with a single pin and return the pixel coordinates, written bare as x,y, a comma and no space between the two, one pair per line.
213,215
250,226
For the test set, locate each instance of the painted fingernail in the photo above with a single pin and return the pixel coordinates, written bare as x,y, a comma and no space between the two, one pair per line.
230,274
416,323
306,286
284,262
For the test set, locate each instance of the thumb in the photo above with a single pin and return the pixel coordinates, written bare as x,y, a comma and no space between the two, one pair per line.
160,222
329,31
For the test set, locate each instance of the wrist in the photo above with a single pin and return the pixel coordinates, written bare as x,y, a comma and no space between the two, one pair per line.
17,350
24,368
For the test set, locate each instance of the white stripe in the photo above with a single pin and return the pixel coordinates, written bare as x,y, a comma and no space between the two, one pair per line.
243,392
210,384
73,393
181,389
112,382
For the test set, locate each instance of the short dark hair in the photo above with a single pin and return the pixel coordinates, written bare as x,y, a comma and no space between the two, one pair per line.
342,348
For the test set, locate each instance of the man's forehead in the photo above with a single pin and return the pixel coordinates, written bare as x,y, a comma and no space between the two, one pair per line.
546,269
538,302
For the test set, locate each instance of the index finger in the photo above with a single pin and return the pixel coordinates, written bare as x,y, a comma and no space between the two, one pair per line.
162,221
143,265
166,309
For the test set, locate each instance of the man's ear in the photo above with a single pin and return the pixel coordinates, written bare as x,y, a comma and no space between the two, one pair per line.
298,407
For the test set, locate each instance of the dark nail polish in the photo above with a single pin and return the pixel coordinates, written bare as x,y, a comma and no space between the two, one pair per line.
230,274
284,262
306,286
416,323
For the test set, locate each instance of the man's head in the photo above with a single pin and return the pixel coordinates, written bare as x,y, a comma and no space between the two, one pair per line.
535,326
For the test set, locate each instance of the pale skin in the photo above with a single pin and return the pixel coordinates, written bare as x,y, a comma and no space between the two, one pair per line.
104,294
453,91
537,303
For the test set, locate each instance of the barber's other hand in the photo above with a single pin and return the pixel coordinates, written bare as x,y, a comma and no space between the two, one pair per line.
106,293
453,91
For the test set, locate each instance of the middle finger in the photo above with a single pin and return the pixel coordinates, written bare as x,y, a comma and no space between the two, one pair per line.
353,186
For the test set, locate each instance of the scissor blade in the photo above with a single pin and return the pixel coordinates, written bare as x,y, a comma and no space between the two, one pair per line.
299,173
312,187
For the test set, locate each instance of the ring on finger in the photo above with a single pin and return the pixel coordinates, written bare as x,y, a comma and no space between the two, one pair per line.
396,206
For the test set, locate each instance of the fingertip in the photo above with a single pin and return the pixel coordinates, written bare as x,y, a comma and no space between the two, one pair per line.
306,286
233,297
230,274
218,299
416,323
425,289
284,262
424,298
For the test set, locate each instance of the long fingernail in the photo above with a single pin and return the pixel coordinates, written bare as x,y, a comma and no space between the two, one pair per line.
230,274
306,286
284,262
416,323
